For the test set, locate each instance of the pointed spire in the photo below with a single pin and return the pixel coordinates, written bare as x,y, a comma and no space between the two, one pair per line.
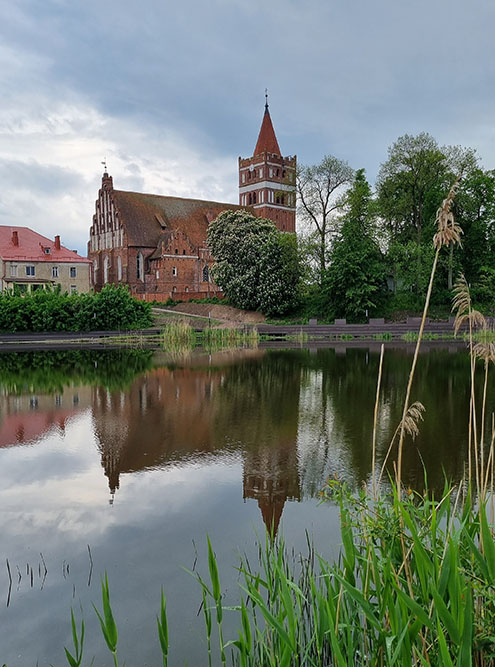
267,141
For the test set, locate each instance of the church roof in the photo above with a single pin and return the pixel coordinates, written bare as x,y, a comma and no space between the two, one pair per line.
146,217
267,141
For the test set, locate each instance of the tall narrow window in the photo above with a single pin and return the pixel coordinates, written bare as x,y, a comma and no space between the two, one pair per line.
119,268
106,263
174,270
139,266
206,274
13,270
54,271
73,271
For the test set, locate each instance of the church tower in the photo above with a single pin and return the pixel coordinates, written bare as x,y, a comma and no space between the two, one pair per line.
267,181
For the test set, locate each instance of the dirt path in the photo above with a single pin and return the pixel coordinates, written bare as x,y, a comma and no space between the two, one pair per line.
225,314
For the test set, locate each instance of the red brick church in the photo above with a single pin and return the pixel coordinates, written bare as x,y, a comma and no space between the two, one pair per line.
157,244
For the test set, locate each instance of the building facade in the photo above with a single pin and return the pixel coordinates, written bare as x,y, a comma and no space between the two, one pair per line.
30,261
157,245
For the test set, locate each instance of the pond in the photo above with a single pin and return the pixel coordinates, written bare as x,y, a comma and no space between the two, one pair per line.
124,461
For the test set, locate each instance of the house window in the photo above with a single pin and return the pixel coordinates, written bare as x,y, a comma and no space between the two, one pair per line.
54,271
174,270
30,271
73,272
73,289
13,270
47,251
206,274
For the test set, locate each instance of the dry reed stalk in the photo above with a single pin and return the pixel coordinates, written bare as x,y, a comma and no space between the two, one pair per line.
413,416
465,313
375,419
448,232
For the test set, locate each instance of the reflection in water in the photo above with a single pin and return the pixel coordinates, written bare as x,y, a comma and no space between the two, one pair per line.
294,417
185,449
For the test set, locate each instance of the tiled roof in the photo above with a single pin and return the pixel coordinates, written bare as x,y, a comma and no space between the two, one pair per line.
267,141
147,217
32,247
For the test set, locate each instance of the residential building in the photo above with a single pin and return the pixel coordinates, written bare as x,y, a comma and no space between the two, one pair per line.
30,261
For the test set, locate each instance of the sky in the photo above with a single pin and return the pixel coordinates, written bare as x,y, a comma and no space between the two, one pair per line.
172,93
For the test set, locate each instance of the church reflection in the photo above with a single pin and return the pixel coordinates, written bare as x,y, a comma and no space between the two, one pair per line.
218,406
291,418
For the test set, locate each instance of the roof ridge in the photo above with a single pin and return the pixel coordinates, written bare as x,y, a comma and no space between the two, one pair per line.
203,201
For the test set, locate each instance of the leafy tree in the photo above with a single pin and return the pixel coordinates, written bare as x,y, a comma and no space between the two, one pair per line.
355,279
474,208
411,185
256,266
318,189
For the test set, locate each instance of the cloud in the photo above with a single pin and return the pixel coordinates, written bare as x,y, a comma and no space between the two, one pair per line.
172,94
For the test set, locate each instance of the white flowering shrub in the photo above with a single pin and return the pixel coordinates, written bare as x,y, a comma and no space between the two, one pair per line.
256,266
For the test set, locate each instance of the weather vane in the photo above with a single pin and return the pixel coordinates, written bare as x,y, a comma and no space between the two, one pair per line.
104,163
266,98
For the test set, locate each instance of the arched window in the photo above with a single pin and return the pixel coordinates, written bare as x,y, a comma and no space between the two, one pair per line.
119,268
254,197
139,266
206,274
106,264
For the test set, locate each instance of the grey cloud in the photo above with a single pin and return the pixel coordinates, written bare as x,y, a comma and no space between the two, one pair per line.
38,178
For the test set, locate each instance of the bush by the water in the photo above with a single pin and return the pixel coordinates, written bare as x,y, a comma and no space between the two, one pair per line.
51,310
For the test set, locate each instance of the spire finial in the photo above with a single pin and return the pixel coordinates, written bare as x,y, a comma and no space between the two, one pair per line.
266,100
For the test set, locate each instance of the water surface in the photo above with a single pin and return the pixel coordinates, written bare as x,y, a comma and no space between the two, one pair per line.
140,457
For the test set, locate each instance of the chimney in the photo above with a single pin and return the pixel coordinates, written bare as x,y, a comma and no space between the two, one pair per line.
15,238
57,242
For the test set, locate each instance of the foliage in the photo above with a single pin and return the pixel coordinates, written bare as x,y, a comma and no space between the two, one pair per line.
256,266
51,310
354,283
318,189
50,371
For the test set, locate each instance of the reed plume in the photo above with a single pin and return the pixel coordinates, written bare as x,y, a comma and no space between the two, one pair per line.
448,232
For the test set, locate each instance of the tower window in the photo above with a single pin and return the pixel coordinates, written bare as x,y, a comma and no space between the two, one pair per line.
254,197
206,274
176,251
174,270
183,252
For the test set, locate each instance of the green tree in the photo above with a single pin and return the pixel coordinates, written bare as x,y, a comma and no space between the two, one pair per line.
355,279
319,189
256,266
411,186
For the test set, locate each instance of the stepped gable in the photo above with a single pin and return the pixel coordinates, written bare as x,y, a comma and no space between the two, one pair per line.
267,140
147,217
